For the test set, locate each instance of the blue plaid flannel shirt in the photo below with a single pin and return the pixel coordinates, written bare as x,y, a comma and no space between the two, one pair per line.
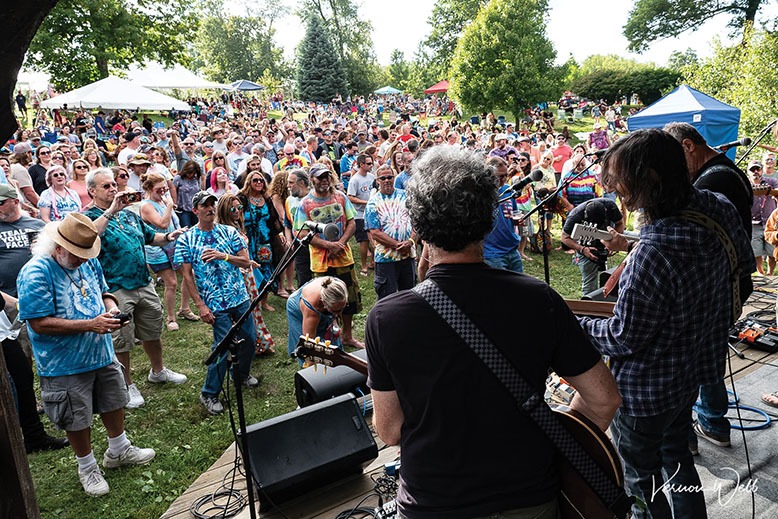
669,329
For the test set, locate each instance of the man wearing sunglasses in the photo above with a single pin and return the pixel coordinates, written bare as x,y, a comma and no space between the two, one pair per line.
359,193
389,224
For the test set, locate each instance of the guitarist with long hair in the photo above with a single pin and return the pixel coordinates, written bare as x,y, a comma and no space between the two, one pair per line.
467,450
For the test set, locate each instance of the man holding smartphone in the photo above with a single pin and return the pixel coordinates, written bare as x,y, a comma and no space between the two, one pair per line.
123,259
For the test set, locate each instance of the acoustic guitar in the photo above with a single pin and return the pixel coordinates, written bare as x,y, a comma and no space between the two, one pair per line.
577,499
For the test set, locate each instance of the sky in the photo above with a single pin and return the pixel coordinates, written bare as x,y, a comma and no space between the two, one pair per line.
578,27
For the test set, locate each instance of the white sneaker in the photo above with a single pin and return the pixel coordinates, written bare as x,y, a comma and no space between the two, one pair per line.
166,375
132,455
136,399
93,482
211,404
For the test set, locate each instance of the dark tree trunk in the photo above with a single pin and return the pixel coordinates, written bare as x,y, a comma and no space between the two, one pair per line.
25,18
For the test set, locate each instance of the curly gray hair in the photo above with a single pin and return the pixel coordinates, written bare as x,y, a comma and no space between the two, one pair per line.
451,197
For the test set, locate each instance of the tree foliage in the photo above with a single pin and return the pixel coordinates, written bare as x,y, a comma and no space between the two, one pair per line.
238,47
504,59
352,38
85,40
651,20
399,70
678,60
741,75
448,21
320,75
648,83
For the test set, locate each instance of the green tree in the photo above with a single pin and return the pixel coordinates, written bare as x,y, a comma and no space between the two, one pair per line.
678,60
649,83
237,47
741,75
320,75
651,20
448,21
505,60
82,41
352,38
399,70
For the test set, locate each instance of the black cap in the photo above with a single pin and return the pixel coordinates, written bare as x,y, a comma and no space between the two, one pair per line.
201,197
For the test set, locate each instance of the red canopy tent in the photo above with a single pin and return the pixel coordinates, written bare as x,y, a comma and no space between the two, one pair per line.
438,88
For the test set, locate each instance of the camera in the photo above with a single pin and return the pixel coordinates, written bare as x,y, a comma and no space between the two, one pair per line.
123,318
131,197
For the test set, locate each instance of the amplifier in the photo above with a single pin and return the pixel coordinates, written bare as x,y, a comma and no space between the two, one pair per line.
313,385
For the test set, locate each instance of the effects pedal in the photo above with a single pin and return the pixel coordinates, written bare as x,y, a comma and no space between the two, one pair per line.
388,511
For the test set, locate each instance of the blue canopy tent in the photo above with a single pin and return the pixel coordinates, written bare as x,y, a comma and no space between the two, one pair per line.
716,121
387,90
245,84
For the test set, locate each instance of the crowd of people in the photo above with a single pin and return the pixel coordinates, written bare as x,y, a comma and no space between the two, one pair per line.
93,218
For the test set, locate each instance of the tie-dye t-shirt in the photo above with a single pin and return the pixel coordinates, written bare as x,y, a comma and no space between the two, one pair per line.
389,214
46,289
219,283
335,209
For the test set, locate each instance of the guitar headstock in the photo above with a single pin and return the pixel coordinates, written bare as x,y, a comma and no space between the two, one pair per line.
585,233
315,351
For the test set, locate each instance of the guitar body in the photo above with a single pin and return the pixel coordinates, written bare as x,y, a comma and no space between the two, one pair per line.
577,500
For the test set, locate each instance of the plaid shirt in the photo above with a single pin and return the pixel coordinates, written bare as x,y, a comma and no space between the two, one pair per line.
669,329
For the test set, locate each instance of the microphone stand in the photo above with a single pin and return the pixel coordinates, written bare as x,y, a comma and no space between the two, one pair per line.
759,138
541,208
230,344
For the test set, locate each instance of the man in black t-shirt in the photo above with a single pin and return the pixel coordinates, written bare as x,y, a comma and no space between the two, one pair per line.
715,172
467,451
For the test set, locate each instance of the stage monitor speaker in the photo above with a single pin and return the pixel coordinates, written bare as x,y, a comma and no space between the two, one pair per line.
296,452
312,385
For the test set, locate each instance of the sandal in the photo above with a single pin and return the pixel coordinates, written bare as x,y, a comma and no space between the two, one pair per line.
188,315
268,308
283,294
363,273
172,326
771,399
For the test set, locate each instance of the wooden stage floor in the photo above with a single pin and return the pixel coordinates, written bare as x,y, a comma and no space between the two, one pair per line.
343,495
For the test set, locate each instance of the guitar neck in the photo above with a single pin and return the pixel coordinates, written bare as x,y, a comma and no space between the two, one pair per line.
322,353
590,232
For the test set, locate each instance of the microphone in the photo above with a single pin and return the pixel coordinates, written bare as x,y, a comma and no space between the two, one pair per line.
745,141
532,177
598,154
330,230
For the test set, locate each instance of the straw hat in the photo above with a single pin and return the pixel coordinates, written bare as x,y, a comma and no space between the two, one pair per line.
76,234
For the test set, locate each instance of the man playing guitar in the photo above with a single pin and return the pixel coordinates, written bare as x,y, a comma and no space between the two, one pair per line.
467,449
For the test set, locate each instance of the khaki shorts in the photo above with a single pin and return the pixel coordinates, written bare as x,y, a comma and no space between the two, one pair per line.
70,401
144,306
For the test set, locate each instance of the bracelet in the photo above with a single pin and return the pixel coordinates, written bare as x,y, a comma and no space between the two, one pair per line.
412,241
108,216
167,237
226,257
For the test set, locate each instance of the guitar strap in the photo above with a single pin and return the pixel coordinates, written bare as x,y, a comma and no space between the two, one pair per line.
529,400
729,248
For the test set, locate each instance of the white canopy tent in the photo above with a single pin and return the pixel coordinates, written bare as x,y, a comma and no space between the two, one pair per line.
113,93
155,75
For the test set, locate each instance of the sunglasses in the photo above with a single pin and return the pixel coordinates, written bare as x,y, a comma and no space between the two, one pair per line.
257,181
44,153
109,185
386,178
368,163
122,175
236,208
58,157
80,167
57,175
161,190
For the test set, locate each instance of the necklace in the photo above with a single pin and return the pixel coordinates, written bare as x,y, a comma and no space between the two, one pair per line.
82,287
260,201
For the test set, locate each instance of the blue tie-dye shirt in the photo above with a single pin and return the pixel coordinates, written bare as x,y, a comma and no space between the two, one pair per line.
46,289
219,283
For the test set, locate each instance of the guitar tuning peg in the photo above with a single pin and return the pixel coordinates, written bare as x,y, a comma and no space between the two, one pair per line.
317,340
327,343
315,367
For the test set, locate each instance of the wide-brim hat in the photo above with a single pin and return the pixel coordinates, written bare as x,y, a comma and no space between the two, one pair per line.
140,159
76,234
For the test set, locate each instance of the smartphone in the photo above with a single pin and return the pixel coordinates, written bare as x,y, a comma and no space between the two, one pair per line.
123,318
131,197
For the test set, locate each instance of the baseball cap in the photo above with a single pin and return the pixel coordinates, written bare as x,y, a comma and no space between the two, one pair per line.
501,137
754,164
523,138
7,192
319,170
131,135
202,197
22,148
